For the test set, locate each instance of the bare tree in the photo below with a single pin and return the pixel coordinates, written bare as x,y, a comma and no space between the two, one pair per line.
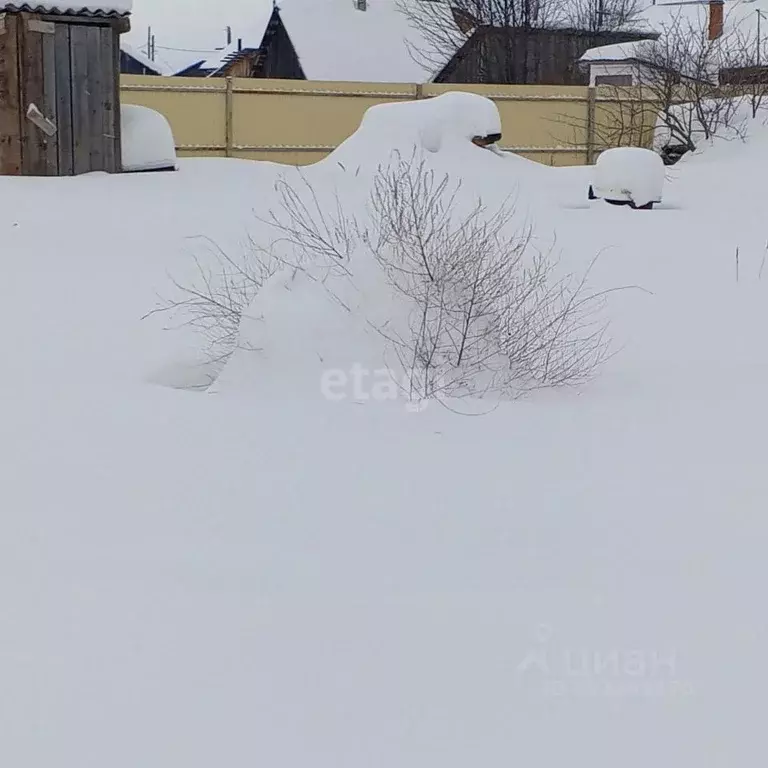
745,60
692,88
599,15
681,72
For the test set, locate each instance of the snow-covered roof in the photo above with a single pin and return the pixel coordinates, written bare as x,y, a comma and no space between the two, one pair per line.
336,41
143,59
250,36
740,20
103,7
615,52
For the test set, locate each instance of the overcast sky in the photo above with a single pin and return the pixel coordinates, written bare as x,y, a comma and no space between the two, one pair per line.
189,23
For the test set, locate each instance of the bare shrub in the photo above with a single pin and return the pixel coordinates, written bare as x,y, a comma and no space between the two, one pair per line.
490,313
484,310
214,303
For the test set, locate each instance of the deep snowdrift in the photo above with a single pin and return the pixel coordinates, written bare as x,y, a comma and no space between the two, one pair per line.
353,316
193,580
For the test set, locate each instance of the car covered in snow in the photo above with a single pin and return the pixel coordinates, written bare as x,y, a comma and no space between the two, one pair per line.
628,176
148,143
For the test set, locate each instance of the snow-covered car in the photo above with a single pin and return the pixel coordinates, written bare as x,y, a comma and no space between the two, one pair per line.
628,176
148,143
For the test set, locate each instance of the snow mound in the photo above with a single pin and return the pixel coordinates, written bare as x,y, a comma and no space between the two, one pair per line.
445,123
350,310
148,143
629,174
442,127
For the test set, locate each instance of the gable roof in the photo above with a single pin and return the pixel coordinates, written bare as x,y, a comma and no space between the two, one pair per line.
249,39
142,59
336,41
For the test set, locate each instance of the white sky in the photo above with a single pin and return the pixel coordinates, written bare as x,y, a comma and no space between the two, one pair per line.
189,23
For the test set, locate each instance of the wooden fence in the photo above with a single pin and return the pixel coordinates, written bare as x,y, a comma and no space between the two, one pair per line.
299,122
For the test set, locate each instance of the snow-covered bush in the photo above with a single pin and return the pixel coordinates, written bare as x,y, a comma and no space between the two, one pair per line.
489,314
629,175
147,139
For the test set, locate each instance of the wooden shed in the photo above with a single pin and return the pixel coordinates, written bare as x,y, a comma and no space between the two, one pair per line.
60,88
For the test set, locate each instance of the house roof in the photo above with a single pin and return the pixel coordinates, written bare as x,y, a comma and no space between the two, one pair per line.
96,8
247,40
740,20
336,41
143,59
615,52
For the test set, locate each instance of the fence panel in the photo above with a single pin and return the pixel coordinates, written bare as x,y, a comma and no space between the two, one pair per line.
298,122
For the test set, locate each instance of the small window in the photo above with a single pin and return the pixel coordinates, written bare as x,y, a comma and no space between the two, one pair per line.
613,80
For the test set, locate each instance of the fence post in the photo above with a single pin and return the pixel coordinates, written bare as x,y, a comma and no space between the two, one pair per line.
591,104
419,91
229,116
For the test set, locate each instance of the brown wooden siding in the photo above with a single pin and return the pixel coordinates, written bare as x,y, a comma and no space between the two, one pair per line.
526,57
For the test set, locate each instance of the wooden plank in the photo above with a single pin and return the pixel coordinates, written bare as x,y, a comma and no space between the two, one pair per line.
109,106
10,121
36,24
33,145
81,119
50,108
64,101
96,99
117,123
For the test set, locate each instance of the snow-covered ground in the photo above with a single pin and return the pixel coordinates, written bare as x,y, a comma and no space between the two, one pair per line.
268,577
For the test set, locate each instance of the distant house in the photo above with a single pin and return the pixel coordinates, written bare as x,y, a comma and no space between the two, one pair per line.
374,41
496,55
134,62
731,44
265,50
336,40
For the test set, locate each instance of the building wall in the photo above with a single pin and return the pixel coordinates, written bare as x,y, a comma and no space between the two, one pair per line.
526,57
300,122
613,69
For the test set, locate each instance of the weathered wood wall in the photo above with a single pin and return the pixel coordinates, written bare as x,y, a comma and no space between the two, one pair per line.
526,57
68,69
10,97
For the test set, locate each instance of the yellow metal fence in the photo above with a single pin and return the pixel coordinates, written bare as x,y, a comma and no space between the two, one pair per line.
299,122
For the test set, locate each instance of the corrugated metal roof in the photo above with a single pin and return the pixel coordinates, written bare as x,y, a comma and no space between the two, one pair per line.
106,8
